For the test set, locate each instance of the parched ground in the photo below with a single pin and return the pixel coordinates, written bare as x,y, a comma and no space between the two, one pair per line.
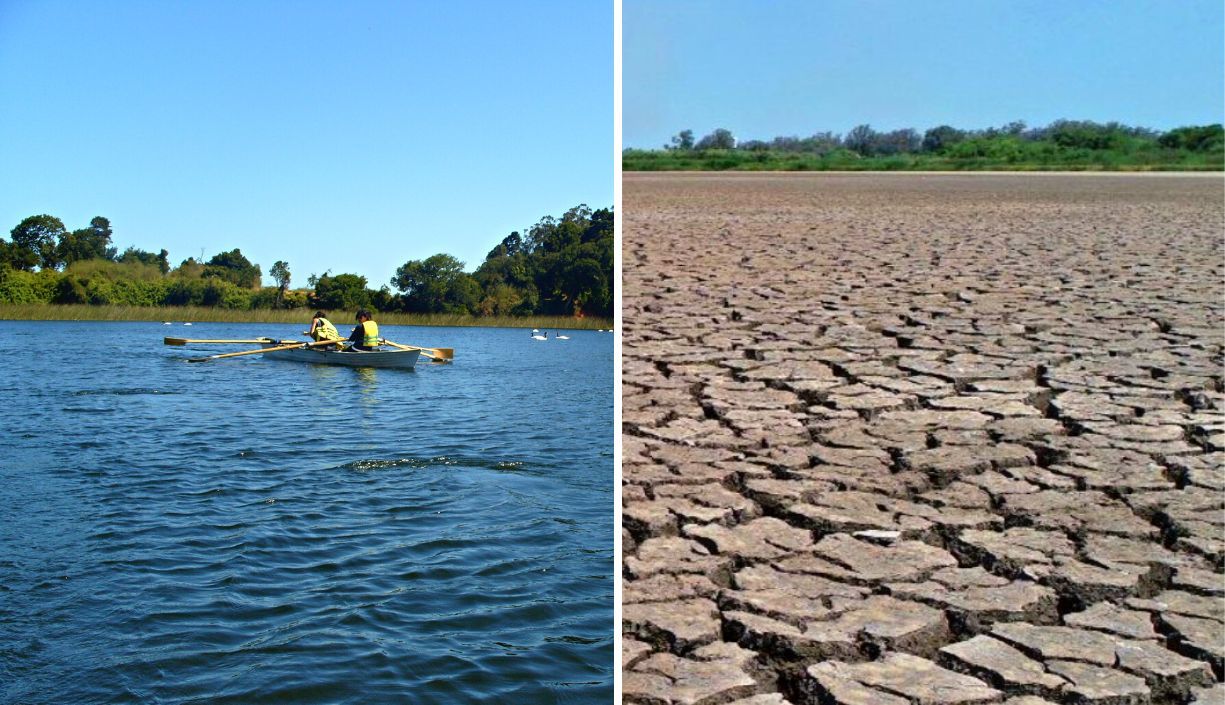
932,439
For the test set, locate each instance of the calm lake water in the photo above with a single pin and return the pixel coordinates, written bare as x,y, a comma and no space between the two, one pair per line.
250,530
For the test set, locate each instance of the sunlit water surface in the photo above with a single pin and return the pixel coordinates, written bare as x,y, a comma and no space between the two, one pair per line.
251,530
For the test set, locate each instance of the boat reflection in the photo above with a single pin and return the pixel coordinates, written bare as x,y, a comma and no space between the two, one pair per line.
335,385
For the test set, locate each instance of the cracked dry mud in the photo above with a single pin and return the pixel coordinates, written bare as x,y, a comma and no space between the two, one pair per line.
933,439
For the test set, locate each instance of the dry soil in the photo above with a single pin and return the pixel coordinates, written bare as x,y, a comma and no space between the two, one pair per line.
934,439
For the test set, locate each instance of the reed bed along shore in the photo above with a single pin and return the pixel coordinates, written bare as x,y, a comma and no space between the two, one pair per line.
85,312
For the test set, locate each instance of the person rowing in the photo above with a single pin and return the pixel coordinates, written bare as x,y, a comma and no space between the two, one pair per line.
321,328
365,337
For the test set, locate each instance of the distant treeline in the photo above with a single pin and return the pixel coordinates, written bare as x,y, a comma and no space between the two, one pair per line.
560,267
1064,144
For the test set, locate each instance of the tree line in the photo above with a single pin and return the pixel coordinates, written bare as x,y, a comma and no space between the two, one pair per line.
560,266
1072,143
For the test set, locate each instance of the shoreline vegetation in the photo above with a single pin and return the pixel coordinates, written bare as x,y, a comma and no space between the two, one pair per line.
1064,145
301,316
559,270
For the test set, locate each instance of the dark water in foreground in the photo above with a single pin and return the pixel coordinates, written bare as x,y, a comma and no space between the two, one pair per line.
251,530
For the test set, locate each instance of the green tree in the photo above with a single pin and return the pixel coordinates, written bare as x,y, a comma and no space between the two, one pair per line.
683,140
540,273
861,140
719,139
342,292
940,138
161,259
582,282
500,300
233,267
93,242
437,284
1085,134
506,279
1016,128
1204,138
510,246
567,232
280,273
189,269
464,295
34,243
384,300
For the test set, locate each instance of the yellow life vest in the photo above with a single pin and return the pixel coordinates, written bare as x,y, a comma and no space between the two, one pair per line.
370,334
326,331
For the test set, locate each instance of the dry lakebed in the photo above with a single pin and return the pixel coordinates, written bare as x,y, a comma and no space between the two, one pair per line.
923,438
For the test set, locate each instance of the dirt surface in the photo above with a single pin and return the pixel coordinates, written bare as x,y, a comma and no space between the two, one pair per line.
934,439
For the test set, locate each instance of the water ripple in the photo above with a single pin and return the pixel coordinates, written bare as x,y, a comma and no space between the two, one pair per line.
287,533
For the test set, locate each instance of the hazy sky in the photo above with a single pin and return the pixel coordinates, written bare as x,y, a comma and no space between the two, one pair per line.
350,136
794,67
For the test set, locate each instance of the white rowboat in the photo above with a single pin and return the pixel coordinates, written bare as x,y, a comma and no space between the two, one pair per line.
402,359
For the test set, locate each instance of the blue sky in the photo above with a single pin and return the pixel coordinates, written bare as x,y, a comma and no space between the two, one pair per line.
795,67
342,136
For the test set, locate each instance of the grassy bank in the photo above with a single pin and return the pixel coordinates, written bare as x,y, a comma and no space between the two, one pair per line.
767,160
82,312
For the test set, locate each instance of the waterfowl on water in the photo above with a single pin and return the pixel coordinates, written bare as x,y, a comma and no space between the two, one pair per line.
541,337
561,337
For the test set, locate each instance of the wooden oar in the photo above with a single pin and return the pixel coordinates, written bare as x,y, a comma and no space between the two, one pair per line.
188,341
291,346
435,354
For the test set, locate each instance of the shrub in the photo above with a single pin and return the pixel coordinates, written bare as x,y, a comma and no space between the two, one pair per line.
1205,138
266,297
22,287
184,292
70,290
294,299
224,294
1004,149
100,291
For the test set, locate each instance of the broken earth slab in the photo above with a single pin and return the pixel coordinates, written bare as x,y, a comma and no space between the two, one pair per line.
895,679
714,673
